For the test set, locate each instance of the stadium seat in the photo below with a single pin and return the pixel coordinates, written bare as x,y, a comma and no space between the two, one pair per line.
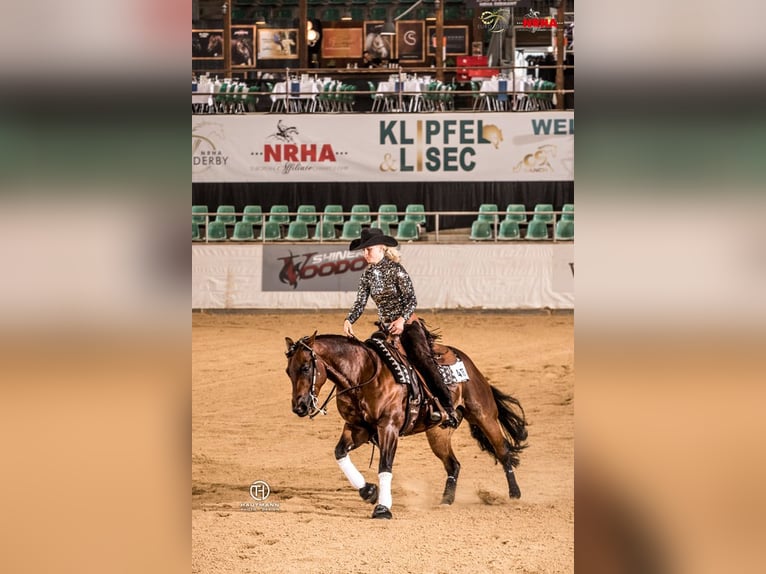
515,212
331,214
307,214
198,213
485,212
407,231
537,229
225,214
387,214
297,231
195,232
481,231
568,212
351,230
216,231
384,227
360,213
414,213
546,217
243,231
324,231
565,230
278,214
508,230
270,231
253,214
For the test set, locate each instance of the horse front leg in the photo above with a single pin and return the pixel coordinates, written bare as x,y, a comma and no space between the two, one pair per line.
351,438
388,440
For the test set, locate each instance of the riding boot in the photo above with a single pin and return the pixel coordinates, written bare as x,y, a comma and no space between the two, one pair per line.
419,352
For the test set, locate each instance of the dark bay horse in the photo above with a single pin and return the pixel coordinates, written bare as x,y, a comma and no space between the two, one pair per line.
374,408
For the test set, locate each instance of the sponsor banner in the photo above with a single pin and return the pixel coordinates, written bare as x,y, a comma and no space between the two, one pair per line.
563,268
523,146
311,268
457,276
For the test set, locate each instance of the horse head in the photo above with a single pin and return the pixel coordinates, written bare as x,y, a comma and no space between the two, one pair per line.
307,374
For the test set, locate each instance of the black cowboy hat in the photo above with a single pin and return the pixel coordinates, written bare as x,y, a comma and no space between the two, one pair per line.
372,237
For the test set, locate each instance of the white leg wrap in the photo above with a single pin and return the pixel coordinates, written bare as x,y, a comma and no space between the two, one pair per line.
352,474
384,489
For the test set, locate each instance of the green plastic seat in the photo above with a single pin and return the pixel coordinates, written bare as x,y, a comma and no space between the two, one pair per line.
297,231
243,231
537,229
307,214
415,212
360,213
382,225
485,212
508,230
481,231
331,214
216,231
568,212
225,214
407,231
270,231
387,214
351,230
324,231
278,214
516,212
198,213
546,217
565,230
195,232
253,214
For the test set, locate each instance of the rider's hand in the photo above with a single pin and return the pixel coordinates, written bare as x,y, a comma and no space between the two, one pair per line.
347,329
396,327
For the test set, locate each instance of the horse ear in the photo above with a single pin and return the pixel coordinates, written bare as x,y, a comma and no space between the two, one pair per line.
311,340
289,342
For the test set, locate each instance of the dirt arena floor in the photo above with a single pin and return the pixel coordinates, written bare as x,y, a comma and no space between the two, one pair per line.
313,520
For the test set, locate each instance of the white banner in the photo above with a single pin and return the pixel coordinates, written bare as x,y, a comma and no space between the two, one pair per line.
483,276
519,146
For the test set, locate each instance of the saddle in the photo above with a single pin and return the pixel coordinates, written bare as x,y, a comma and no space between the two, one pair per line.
393,355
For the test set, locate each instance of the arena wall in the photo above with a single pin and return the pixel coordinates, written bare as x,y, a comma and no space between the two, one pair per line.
464,276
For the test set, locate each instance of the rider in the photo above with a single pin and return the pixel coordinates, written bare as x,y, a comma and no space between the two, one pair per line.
391,288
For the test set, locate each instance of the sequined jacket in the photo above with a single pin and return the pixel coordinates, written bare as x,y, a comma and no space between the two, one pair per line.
390,287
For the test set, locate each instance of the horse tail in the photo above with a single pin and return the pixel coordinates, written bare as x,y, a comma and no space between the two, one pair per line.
512,423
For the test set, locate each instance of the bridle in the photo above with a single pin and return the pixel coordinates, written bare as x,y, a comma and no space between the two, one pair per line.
315,409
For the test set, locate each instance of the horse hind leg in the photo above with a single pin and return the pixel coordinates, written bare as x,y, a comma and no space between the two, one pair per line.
487,429
441,445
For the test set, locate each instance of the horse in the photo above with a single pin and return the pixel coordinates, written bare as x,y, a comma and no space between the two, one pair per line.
374,408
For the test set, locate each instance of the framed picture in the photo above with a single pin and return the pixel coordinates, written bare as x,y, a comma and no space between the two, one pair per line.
378,45
342,43
243,46
207,44
410,44
277,43
456,38
476,49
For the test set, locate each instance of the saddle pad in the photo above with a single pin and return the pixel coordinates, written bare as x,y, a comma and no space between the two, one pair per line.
401,372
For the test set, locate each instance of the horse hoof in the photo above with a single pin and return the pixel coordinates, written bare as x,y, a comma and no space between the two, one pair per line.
381,512
369,493
515,492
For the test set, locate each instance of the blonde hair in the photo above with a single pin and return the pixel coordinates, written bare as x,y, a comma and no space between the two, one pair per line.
392,253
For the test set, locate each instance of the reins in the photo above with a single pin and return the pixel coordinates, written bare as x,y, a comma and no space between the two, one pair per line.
314,399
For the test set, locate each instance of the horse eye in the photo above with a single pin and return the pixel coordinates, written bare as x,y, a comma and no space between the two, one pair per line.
305,369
